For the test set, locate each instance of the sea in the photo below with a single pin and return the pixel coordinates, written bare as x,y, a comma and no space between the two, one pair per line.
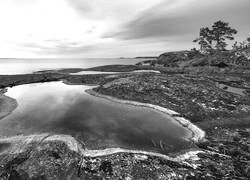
26,66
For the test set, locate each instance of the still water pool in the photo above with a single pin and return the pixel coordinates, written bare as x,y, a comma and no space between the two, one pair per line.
55,107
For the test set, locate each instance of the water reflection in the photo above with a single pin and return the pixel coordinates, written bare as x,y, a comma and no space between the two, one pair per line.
59,108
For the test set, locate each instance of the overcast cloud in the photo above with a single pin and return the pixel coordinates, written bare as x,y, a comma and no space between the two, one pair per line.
111,28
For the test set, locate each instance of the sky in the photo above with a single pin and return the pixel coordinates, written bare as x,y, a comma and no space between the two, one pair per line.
111,28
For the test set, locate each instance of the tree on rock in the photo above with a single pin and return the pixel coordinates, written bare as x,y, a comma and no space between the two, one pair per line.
205,40
216,37
222,32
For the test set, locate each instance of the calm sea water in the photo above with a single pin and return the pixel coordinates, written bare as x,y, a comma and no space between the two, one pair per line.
24,66
55,107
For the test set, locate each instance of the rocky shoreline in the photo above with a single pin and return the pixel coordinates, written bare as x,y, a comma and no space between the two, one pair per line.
224,117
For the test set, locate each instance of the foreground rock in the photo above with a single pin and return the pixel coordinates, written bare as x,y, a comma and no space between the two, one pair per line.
55,159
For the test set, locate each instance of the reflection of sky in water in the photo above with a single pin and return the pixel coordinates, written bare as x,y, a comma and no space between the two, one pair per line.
59,108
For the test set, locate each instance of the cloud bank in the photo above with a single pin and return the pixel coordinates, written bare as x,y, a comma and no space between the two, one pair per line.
183,18
111,28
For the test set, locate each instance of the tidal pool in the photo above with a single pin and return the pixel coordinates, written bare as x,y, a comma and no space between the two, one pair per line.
58,108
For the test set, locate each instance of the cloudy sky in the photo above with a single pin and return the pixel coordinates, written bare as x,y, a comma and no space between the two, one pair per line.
111,28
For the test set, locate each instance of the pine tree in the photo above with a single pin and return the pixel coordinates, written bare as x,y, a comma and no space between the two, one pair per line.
222,32
204,40
215,38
